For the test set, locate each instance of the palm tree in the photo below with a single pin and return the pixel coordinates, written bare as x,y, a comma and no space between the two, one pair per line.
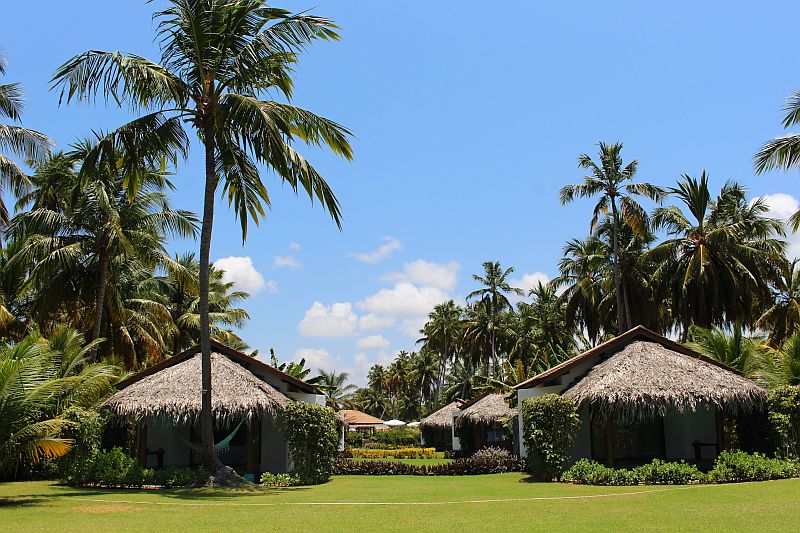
106,221
179,291
15,141
441,333
608,180
733,348
783,152
782,366
783,316
581,274
337,391
217,59
717,268
424,374
493,293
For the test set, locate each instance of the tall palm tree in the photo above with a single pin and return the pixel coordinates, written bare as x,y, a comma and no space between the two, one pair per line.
493,292
608,180
218,57
783,152
336,388
424,374
718,266
441,334
102,223
581,275
15,141
782,318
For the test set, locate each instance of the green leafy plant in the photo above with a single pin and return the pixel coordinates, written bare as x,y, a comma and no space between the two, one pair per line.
486,461
312,432
734,467
549,427
268,479
783,407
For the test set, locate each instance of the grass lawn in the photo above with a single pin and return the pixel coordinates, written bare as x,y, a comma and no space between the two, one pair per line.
421,462
767,506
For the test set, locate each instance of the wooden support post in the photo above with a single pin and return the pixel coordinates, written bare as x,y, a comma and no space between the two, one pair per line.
609,443
248,449
142,445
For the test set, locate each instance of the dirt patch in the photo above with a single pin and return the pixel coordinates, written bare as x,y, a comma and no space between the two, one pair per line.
112,508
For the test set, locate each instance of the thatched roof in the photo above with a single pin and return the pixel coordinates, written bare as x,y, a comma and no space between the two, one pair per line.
485,410
645,379
174,393
441,418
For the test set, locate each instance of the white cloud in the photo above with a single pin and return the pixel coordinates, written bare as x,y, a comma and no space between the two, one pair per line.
318,358
373,321
337,320
272,286
528,281
782,205
426,273
243,274
373,341
286,261
405,299
383,251
294,246
412,326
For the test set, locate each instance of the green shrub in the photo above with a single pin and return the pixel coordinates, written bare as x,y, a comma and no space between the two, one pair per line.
115,469
783,408
268,479
402,436
312,432
401,453
354,439
660,472
549,427
588,472
486,461
733,467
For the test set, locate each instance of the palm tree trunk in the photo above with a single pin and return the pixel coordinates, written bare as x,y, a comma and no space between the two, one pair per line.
209,455
621,326
627,303
100,297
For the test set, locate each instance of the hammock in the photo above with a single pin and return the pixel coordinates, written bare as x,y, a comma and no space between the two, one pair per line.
222,445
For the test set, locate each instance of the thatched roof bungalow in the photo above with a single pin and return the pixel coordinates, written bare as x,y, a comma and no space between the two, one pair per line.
643,396
483,422
163,402
437,427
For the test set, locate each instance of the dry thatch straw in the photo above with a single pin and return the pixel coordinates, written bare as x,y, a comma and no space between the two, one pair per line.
441,418
645,380
173,394
486,410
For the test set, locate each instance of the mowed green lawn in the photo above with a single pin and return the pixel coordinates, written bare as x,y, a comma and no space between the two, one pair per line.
444,504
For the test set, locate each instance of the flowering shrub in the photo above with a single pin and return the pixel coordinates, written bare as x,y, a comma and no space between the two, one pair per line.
402,453
268,479
486,461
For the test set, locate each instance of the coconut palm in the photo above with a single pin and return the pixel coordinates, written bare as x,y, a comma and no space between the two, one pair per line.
493,293
96,228
783,152
442,332
336,388
15,141
782,317
424,374
179,291
717,267
782,366
733,347
581,275
608,180
217,60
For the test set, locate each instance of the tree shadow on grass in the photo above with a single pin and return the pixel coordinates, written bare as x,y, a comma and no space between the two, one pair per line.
18,502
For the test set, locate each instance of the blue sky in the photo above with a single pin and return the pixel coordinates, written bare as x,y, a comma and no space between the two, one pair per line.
468,118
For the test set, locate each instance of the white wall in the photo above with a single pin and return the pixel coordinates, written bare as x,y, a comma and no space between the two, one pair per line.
456,441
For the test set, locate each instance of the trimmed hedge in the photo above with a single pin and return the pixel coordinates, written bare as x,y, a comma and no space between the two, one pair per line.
268,479
550,426
730,467
402,453
485,461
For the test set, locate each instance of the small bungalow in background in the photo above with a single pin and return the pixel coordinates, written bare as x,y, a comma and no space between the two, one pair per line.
483,422
437,427
163,402
642,396
358,421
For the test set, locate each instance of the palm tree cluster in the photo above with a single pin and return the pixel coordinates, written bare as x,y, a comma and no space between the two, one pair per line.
696,263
